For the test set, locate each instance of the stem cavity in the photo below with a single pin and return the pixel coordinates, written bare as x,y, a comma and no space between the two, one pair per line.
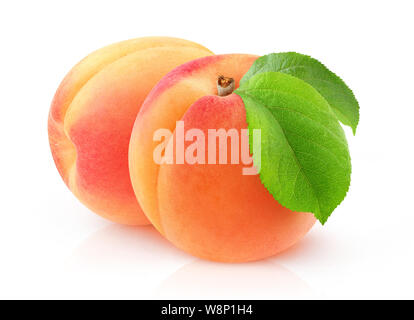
225,86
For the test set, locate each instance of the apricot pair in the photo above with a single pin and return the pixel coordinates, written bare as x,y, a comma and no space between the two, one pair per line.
107,110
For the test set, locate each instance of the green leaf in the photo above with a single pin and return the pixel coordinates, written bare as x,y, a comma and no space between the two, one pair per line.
310,70
304,158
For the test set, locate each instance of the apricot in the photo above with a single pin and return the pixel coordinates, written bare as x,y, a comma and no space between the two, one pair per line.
92,115
212,211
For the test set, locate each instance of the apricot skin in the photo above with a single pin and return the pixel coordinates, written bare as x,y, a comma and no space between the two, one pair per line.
92,115
211,211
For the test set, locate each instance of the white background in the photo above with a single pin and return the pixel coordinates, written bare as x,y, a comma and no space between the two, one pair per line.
51,246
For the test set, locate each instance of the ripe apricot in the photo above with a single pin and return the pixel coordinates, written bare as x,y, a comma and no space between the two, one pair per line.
92,116
212,211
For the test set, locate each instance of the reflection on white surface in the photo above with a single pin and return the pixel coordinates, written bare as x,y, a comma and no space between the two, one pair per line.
254,280
117,247
141,264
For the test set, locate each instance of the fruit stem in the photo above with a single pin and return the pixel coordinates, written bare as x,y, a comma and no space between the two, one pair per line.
225,86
